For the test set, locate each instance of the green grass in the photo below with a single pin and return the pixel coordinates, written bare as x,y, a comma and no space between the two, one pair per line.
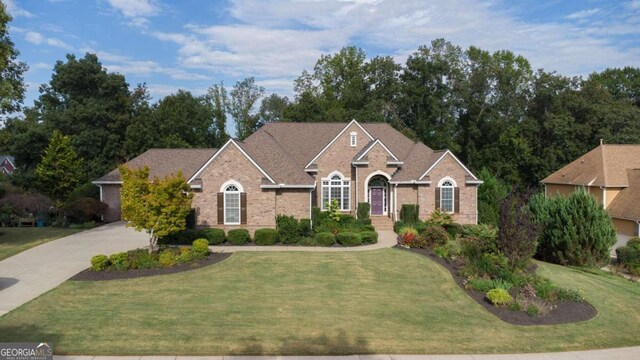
385,301
18,239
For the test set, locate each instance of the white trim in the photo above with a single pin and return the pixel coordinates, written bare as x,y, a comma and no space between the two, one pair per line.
357,199
371,147
604,197
395,162
285,186
477,215
447,178
231,182
474,182
231,141
359,163
106,182
385,194
440,159
12,164
411,182
353,139
224,201
310,207
368,178
342,187
311,170
196,186
453,187
335,172
335,138
395,203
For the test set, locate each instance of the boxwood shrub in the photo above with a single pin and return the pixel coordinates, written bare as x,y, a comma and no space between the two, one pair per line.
304,228
369,237
266,236
349,239
200,246
99,262
288,228
238,236
325,239
214,236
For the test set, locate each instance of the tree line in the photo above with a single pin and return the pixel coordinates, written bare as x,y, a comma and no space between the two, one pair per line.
490,108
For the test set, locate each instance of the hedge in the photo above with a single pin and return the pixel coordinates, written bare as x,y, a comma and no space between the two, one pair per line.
325,239
266,236
238,236
214,236
369,237
349,239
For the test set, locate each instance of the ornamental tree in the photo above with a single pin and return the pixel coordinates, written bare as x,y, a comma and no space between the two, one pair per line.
60,170
159,207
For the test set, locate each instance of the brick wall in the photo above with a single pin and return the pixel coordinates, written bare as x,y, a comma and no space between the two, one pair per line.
293,202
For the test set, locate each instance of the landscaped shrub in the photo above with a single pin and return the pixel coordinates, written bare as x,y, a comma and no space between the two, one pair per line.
369,237
214,236
167,258
142,259
190,221
238,236
186,256
532,310
517,234
453,229
349,239
439,217
304,228
363,222
480,284
398,225
409,213
325,239
266,236
119,261
307,241
184,237
408,236
629,255
483,234
499,297
83,209
368,227
315,216
99,262
288,228
434,235
363,210
200,247
575,230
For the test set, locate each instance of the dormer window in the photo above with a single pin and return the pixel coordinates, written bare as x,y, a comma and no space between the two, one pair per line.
354,139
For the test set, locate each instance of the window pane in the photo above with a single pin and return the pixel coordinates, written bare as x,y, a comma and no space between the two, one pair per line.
335,194
446,199
232,216
325,196
345,198
232,207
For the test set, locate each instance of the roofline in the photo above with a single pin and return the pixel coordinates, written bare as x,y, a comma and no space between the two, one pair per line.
230,141
107,182
10,162
359,163
410,182
478,182
336,137
311,170
586,185
455,158
288,186
377,141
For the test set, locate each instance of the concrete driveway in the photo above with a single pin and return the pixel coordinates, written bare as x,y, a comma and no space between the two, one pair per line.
33,272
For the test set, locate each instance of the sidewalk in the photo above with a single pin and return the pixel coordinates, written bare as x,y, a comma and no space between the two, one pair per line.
627,353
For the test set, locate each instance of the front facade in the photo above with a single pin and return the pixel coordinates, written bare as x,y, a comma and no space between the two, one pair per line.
288,168
611,174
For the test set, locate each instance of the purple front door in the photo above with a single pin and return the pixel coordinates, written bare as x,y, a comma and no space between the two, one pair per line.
377,199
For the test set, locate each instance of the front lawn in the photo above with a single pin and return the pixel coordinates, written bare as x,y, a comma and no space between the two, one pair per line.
385,301
18,239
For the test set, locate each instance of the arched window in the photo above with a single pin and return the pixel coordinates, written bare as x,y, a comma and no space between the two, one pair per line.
231,205
336,187
446,196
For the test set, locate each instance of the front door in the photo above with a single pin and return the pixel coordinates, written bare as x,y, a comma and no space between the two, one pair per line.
377,199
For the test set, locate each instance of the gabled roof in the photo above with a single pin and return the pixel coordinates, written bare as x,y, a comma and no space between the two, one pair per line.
365,150
419,159
164,162
625,204
605,165
11,159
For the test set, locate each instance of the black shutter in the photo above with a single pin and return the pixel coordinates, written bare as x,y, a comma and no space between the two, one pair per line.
220,208
437,198
456,200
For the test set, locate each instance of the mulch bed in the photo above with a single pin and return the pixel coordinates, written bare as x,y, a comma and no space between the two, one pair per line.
565,312
90,275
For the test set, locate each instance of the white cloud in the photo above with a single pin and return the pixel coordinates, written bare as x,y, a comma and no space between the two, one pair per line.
125,65
15,10
38,39
158,91
137,11
583,14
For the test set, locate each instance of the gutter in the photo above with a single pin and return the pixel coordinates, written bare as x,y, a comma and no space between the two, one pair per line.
285,186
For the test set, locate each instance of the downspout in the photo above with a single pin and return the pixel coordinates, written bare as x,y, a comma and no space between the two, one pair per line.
101,215
395,203
357,199
638,229
310,212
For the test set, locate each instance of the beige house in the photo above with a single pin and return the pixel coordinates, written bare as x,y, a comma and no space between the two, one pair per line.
288,168
611,173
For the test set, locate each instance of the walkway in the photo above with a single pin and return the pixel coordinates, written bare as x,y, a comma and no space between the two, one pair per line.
386,239
33,272
628,353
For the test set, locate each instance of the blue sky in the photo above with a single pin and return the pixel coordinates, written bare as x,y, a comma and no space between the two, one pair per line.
191,44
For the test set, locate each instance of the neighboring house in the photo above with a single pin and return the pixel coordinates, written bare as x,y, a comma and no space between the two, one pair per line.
288,168
7,165
611,173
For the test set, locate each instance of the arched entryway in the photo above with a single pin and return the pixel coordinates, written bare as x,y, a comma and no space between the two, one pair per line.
378,195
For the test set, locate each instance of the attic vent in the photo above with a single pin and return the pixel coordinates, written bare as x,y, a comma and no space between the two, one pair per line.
353,139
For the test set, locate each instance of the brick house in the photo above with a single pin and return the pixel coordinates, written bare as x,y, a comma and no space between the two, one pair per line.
611,174
288,168
7,166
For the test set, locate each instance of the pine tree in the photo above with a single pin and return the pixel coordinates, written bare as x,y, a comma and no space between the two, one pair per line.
60,170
